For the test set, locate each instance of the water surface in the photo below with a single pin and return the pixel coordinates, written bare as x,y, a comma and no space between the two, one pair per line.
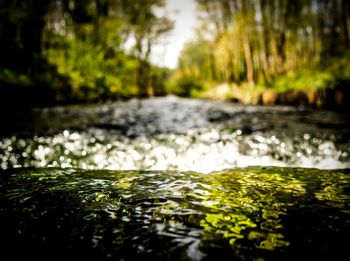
258,213
175,134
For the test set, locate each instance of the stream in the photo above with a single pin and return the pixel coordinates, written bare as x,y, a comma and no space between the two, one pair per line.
172,133
255,213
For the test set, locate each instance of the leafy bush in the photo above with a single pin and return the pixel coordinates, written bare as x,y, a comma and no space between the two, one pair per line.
92,72
187,87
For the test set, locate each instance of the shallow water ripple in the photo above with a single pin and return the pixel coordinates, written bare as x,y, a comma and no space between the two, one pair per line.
176,134
246,214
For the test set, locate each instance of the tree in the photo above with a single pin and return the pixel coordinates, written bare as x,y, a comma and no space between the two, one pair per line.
147,29
256,41
21,27
80,45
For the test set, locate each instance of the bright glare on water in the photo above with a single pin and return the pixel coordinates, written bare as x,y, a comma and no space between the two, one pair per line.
177,134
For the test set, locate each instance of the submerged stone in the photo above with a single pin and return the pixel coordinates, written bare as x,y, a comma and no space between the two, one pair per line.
256,213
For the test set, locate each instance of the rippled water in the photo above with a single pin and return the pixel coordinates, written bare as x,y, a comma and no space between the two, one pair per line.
243,214
174,134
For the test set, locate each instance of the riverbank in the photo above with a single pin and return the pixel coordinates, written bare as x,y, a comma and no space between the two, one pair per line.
337,98
326,85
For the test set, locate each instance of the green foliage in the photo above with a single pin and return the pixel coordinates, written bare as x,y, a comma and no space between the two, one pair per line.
15,78
91,74
279,45
29,78
186,87
338,66
304,80
81,49
91,56
328,75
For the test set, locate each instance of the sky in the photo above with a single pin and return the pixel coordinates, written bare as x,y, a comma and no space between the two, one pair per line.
183,13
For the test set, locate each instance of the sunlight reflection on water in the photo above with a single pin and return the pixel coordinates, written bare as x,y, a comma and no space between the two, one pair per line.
202,151
256,213
179,134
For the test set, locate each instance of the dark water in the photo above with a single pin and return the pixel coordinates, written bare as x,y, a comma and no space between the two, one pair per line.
258,213
174,134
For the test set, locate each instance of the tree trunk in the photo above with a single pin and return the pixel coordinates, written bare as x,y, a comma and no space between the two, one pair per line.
248,60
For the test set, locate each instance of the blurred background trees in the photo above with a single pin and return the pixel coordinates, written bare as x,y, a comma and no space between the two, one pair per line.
99,50
84,50
278,44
